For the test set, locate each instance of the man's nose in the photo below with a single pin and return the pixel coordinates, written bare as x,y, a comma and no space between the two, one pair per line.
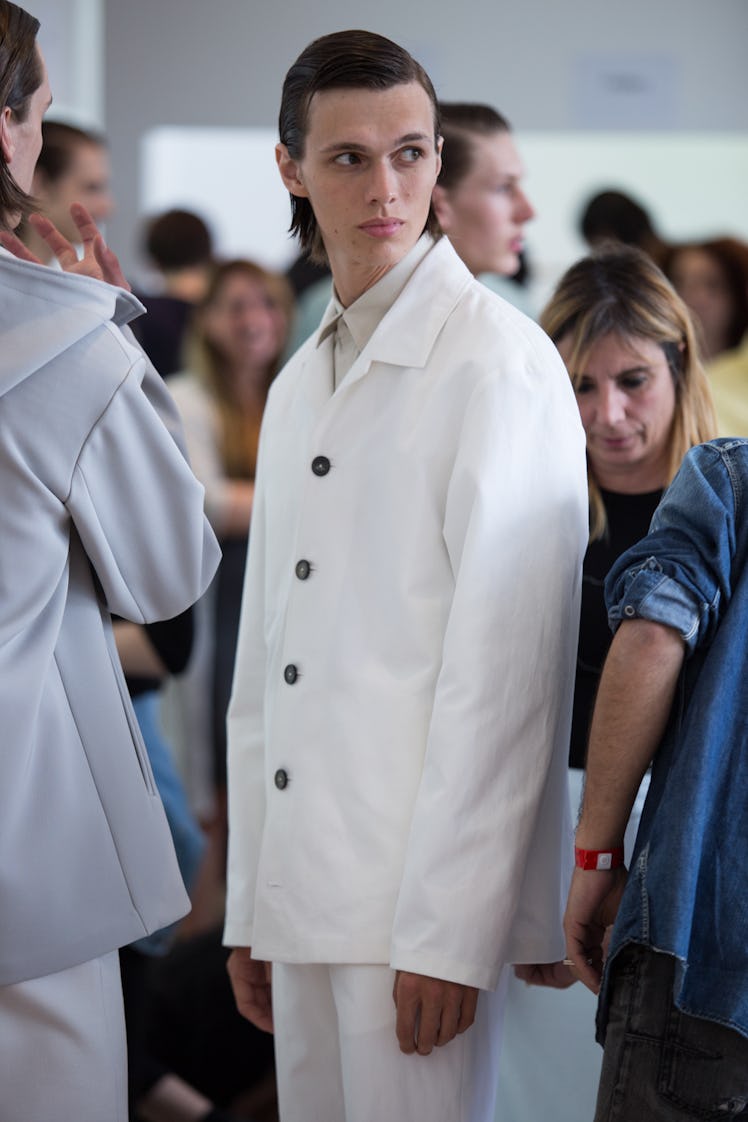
382,183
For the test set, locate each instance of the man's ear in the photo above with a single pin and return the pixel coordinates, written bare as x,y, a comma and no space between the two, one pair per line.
290,172
442,207
7,147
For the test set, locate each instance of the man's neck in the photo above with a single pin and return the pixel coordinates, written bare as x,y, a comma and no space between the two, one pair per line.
350,283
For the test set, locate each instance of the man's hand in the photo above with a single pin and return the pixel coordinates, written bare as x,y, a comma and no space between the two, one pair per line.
594,899
250,981
554,975
98,260
430,1012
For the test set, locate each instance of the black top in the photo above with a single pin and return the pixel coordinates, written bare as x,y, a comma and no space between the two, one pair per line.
628,521
162,331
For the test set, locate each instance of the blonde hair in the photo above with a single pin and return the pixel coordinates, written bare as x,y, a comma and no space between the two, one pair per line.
619,290
240,427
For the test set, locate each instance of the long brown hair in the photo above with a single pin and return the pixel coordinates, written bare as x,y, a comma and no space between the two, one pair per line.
619,290
240,427
20,78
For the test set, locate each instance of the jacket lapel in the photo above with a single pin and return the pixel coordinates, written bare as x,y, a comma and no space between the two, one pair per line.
408,332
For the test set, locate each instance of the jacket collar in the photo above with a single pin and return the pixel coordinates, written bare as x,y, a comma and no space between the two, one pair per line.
407,333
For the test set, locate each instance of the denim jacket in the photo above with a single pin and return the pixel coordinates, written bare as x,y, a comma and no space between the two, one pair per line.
687,893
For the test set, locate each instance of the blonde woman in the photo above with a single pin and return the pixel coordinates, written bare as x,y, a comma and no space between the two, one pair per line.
238,334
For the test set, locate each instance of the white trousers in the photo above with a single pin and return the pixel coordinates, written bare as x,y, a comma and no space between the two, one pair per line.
63,1053
338,1060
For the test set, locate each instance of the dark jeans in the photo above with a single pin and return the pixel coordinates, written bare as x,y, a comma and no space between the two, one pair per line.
661,1065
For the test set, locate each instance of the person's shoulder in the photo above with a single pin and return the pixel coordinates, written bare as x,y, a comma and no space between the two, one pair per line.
502,330
730,451
712,479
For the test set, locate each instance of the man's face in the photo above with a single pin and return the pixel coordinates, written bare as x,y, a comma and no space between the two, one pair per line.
368,170
86,181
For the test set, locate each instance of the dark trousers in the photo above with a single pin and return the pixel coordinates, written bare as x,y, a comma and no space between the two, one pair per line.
661,1065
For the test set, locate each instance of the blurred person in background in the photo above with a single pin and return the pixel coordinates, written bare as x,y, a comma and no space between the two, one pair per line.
73,167
615,216
179,245
712,278
233,352
479,197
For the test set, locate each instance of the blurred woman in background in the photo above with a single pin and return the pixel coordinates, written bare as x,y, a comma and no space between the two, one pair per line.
712,278
238,334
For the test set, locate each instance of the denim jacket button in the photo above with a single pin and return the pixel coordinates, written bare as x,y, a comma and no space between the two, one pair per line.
629,611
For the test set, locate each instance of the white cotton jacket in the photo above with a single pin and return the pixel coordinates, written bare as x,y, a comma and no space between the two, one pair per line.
100,513
398,732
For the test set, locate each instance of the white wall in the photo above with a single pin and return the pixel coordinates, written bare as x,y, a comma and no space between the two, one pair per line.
72,39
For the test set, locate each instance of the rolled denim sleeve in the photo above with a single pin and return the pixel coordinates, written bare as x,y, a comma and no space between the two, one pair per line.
680,573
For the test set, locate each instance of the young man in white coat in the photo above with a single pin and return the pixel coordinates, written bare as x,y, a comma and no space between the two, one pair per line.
399,724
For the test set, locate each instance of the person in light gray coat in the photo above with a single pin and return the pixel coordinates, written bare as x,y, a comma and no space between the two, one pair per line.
100,513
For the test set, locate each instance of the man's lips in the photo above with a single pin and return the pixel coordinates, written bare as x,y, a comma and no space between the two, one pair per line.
381,227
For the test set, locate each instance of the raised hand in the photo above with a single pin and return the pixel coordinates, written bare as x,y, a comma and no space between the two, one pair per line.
98,261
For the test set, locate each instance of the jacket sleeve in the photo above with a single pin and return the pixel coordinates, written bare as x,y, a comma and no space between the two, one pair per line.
138,510
680,574
490,842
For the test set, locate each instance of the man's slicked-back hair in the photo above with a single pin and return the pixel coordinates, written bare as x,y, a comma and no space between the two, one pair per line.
343,60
